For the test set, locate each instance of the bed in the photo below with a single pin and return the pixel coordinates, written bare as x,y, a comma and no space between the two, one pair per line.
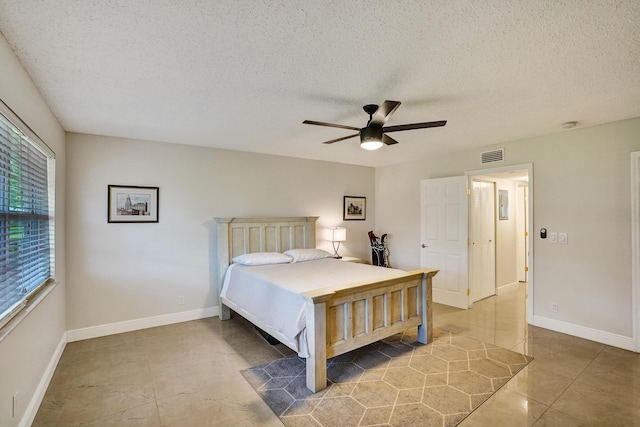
337,318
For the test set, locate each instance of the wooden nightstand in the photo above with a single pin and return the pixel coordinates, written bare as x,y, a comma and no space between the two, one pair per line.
350,259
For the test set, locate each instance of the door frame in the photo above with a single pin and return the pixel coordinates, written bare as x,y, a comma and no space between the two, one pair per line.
635,246
523,224
529,168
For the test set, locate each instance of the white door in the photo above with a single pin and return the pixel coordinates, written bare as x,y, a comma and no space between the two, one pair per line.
483,247
444,227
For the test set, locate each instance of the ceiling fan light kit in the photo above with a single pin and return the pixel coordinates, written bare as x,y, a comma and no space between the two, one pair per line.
373,136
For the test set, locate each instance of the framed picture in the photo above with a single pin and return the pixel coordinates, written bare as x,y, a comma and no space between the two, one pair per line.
503,203
355,208
132,204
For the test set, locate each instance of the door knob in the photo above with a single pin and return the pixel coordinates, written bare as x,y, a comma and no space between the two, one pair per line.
424,246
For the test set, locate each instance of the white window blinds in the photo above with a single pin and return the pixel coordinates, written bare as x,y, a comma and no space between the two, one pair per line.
25,218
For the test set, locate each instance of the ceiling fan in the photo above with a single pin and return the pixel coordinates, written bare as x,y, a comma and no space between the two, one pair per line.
374,135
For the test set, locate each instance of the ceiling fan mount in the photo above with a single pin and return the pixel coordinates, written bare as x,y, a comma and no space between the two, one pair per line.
374,134
370,109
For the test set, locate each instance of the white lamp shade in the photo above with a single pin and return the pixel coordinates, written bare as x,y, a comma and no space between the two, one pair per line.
337,234
371,145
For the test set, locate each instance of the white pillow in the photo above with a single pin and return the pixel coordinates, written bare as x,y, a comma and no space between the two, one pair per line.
262,258
300,255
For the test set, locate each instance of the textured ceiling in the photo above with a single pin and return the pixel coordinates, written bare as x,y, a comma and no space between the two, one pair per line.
243,75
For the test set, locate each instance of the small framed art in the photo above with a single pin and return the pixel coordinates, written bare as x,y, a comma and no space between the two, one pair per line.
132,203
503,203
355,208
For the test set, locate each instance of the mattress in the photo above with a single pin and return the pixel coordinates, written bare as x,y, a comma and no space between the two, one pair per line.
272,293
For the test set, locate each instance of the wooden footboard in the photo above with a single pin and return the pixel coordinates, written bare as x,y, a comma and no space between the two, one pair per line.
344,320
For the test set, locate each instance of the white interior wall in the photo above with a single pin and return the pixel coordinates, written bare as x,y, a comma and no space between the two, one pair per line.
121,273
29,353
582,187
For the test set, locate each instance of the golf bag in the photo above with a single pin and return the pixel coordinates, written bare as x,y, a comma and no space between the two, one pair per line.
379,250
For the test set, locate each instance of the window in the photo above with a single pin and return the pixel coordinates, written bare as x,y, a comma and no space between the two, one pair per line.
26,221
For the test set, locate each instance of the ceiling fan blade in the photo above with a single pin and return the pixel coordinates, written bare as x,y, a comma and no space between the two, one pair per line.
341,139
415,126
331,125
388,140
383,113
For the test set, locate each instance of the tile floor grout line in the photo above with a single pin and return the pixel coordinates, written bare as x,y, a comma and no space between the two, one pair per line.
153,385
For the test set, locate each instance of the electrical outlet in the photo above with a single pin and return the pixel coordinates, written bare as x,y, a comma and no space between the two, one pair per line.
554,307
553,237
563,238
181,300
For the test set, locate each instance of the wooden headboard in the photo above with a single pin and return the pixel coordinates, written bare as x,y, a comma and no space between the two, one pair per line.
238,236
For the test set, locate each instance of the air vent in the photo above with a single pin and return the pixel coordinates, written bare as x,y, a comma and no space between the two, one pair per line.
493,156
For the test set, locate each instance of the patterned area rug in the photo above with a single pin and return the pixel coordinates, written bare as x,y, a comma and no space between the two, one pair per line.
395,382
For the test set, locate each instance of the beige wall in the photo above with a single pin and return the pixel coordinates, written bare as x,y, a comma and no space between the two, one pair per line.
28,352
123,272
581,186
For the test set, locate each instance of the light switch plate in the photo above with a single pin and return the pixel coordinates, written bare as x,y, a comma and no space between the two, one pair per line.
553,237
563,238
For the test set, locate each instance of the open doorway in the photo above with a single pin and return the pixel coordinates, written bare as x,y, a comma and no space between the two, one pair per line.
445,219
510,246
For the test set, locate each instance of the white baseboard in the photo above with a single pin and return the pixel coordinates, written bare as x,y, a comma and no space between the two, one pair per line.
36,399
608,338
507,287
137,324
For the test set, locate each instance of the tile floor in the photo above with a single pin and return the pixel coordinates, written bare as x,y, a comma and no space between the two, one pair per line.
188,374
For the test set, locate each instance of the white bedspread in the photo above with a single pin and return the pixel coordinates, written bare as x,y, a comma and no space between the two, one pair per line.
271,293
